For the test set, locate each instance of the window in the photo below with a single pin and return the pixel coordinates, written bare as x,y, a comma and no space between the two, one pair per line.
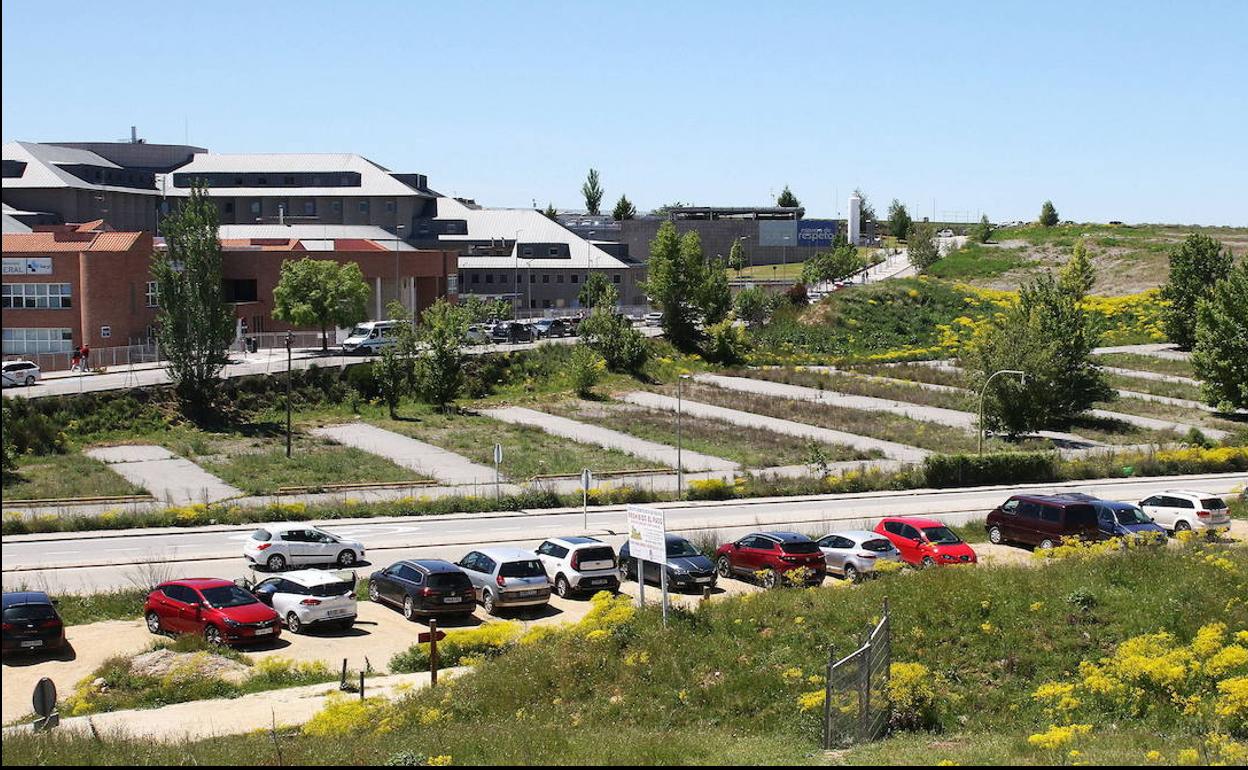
309,208
336,207
575,278
489,278
546,279
363,207
452,284
553,251
532,278
255,208
559,278
229,207
390,207
615,278
527,251
18,341
36,296
476,278
152,298
239,290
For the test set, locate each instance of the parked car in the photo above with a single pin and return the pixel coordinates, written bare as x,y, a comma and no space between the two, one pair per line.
652,319
1043,521
370,337
19,373
770,555
579,564
278,546
506,577
309,597
1117,519
220,610
511,331
30,622
1182,510
854,554
478,334
423,587
925,542
551,327
687,567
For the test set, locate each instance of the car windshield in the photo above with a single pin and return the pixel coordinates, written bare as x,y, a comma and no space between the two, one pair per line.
359,331
1213,503
679,548
1132,515
800,547
941,536
227,596
451,580
27,612
878,545
529,568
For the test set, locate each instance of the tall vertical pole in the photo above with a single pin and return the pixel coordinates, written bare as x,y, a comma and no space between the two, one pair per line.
680,464
641,582
288,394
663,588
433,652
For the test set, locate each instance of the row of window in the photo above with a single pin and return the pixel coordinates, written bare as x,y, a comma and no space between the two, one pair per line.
300,179
505,278
36,296
18,341
256,207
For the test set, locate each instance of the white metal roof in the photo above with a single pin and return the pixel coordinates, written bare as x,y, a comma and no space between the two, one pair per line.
374,178
525,226
43,170
318,237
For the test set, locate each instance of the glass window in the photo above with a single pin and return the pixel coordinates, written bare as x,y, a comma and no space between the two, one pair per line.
18,341
152,300
36,296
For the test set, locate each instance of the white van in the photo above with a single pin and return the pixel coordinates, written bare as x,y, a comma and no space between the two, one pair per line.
370,337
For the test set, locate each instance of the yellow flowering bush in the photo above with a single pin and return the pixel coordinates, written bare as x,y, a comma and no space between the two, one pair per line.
345,716
918,696
1058,736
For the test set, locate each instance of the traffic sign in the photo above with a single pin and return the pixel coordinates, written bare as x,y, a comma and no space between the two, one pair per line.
44,698
498,453
424,637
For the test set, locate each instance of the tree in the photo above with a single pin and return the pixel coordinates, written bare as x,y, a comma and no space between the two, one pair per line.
480,310
551,212
736,256
1050,337
194,326
393,374
320,293
596,290
1195,266
753,305
714,296
624,209
899,220
593,192
787,199
922,246
981,232
1220,354
841,262
439,371
1077,276
612,336
676,270
1048,214
586,369
866,212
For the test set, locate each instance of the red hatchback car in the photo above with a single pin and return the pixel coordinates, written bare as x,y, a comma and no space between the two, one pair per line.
925,542
769,556
216,608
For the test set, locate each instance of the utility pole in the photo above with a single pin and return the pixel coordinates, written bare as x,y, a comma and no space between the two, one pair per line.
288,340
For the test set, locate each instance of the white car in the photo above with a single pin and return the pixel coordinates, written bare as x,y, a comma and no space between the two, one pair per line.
20,373
278,546
577,564
1182,510
309,597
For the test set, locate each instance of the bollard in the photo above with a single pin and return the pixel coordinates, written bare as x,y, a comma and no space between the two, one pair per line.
361,685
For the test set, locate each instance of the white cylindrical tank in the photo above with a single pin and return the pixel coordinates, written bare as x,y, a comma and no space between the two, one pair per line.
855,215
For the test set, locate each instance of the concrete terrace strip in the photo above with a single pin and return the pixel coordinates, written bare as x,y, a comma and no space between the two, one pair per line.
890,449
169,478
609,439
1156,350
934,414
886,380
1185,403
1152,423
425,459
1151,375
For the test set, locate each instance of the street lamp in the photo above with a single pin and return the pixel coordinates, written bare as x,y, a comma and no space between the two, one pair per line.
984,390
515,310
680,465
288,395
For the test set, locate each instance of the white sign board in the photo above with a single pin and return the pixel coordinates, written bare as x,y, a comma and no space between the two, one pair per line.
28,266
647,534
498,453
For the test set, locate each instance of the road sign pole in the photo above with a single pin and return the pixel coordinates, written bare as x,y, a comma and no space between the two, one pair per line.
498,459
663,586
433,652
641,583
587,478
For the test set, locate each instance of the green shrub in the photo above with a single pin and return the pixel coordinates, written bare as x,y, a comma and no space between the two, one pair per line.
585,370
958,470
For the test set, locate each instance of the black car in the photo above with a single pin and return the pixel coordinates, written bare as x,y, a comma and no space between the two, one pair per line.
687,567
31,622
512,331
422,587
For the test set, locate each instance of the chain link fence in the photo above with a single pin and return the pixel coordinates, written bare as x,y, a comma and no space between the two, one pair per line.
855,706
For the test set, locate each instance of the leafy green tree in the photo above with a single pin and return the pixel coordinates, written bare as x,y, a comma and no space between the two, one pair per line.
586,368
1048,214
899,220
624,209
1050,337
736,256
593,192
596,290
1220,354
1077,276
479,310
922,246
621,346
727,343
393,373
675,280
194,325
841,262
320,293
1195,266
8,448
753,305
439,371
551,212
787,199
981,232
714,296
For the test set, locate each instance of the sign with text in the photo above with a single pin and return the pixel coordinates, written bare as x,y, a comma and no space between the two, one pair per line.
816,233
647,534
28,266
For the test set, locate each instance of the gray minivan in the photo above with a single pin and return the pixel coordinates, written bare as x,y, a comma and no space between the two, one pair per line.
506,577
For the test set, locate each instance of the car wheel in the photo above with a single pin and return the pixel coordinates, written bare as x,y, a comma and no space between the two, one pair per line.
212,635
409,608
1181,526
153,623
276,563
562,587
373,594
346,558
723,567
995,536
771,579
30,381
1046,544
487,601
293,623
851,573
928,562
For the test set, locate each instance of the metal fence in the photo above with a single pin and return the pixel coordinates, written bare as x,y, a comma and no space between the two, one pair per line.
116,357
855,706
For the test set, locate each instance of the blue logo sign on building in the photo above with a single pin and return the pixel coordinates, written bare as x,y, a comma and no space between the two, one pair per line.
816,233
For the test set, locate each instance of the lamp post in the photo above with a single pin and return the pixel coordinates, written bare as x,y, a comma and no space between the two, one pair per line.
288,336
515,305
680,465
984,390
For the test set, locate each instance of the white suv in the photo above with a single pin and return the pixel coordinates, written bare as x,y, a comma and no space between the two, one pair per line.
1180,510
577,564
278,546
309,597
20,373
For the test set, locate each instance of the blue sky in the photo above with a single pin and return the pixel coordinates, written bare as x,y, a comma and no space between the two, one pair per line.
1115,110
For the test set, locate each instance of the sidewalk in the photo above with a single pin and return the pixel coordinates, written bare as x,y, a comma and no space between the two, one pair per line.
425,459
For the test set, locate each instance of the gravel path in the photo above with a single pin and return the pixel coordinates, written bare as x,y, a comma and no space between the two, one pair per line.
425,459
169,478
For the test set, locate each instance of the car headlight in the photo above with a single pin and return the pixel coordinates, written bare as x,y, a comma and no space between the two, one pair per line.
232,623
678,571
948,557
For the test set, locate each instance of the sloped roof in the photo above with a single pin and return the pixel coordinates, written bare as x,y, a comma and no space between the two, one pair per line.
320,237
68,242
43,170
375,179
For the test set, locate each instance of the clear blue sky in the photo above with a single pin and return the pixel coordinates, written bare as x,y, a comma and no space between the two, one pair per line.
1115,110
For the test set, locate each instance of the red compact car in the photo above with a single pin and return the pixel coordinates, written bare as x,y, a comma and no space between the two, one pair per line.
218,609
925,542
769,556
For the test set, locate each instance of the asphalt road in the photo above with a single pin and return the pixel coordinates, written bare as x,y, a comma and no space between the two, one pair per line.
82,562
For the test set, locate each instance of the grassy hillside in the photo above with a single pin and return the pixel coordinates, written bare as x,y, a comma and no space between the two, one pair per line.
731,682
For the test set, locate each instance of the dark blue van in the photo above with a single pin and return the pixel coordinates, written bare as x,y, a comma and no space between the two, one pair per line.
1124,519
